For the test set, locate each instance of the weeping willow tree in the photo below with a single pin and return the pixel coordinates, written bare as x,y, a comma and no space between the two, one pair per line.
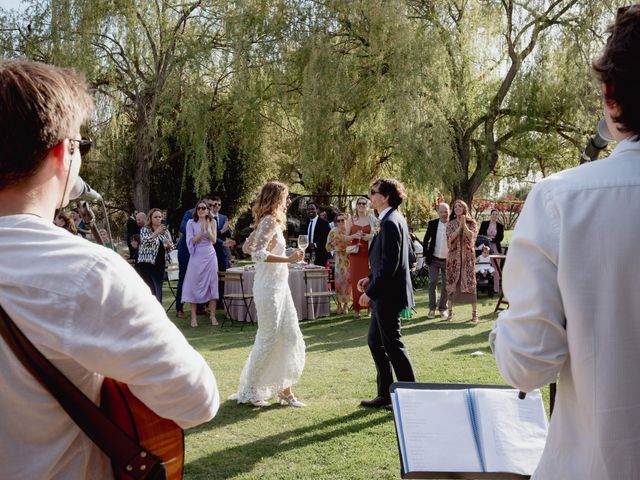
341,94
513,86
170,115
195,96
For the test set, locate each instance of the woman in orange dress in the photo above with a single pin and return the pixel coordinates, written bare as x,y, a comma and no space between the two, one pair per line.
461,259
362,231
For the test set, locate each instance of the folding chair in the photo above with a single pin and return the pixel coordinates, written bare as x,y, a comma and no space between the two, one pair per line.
420,273
318,295
242,298
172,275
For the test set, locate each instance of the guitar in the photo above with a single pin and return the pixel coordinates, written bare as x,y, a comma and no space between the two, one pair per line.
160,436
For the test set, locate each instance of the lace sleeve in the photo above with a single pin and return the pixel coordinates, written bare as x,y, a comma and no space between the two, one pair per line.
259,240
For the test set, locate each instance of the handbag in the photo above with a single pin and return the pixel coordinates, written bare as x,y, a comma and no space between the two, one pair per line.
140,444
353,249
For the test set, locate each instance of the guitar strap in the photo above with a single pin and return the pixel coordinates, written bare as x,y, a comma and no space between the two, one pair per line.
123,451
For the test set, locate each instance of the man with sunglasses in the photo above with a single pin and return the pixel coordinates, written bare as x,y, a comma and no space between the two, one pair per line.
388,289
81,305
223,241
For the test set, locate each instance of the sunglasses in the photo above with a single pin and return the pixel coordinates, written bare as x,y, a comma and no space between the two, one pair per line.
373,192
340,221
203,208
362,204
215,204
84,145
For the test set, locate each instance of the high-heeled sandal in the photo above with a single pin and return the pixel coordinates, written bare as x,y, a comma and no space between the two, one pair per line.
260,403
214,321
194,323
450,316
290,400
474,317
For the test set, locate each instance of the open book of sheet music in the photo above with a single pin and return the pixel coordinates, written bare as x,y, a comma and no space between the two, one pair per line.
458,429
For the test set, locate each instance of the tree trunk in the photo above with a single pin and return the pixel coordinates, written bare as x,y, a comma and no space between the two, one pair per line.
142,159
141,184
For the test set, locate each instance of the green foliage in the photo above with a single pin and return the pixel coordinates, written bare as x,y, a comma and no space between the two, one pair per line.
197,96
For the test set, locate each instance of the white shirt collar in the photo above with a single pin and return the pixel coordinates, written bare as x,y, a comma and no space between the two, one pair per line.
384,212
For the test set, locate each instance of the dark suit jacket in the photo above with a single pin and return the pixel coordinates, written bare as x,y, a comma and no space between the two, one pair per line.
389,260
221,250
320,234
429,242
132,229
484,226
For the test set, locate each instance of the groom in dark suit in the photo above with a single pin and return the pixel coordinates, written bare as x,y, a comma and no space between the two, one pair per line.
388,289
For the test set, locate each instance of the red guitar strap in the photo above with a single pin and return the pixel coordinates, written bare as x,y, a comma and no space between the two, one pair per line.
123,451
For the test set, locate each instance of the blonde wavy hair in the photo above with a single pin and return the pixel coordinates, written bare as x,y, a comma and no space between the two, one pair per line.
268,201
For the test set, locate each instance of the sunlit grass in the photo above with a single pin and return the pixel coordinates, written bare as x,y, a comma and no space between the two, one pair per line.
333,438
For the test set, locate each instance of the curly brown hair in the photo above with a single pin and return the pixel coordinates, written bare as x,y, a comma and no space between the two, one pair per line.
618,68
267,202
68,222
466,211
392,188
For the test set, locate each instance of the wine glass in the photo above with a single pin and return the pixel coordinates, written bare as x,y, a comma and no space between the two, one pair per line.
303,243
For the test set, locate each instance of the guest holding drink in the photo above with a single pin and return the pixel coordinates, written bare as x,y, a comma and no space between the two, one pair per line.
201,280
361,229
277,358
337,242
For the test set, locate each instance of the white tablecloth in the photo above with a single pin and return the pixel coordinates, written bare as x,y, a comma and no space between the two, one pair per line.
315,308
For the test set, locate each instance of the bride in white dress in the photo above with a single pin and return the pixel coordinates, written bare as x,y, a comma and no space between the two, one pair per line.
277,358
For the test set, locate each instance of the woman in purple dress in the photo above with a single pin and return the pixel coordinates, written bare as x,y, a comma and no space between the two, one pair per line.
201,280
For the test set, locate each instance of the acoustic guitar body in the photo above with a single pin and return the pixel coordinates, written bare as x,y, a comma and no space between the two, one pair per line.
160,436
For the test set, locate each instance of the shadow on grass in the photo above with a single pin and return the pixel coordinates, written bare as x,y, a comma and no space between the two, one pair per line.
480,341
242,458
321,335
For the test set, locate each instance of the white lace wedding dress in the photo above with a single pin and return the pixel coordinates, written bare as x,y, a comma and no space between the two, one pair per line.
277,358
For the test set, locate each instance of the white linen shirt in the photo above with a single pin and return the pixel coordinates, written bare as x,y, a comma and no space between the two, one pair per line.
312,228
87,311
441,248
572,277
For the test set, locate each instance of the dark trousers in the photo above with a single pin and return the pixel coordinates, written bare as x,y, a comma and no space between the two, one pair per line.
437,267
152,277
222,267
387,347
183,262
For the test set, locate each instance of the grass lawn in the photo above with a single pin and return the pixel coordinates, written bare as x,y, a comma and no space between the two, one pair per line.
333,438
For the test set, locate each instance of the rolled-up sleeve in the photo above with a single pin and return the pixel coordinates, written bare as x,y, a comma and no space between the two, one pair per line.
132,340
529,339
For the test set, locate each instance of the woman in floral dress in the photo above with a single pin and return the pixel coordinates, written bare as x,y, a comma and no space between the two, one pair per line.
337,242
461,260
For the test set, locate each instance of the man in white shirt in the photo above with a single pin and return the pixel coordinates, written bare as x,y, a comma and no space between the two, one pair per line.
81,305
572,278
317,230
435,244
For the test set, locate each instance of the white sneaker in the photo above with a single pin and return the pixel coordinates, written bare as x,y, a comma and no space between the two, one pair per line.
432,314
443,313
